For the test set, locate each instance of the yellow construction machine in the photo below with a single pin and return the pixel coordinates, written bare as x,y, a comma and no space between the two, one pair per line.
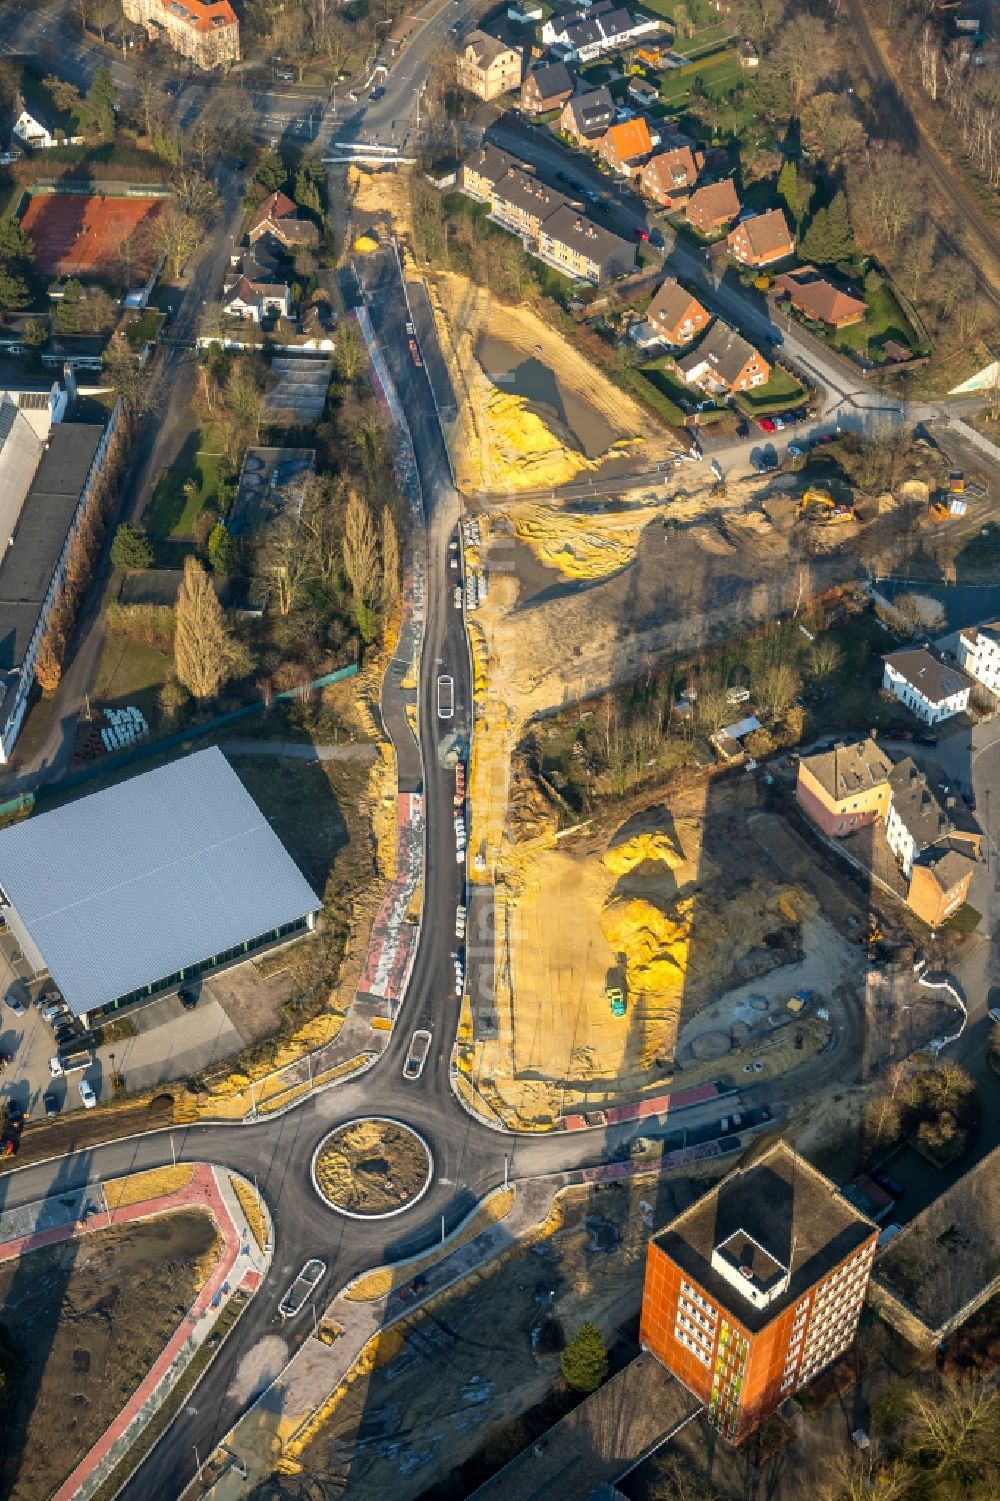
820,507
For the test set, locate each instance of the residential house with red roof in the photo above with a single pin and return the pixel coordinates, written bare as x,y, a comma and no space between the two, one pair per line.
711,208
762,240
669,176
675,316
819,299
279,218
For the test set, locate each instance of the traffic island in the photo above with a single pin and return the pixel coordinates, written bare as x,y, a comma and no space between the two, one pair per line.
372,1168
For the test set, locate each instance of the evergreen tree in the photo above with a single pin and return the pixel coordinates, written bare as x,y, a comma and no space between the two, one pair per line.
224,552
829,237
100,99
131,550
585,1359
271,171
788,187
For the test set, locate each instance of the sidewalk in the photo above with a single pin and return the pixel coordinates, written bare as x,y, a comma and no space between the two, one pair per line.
282,1419
241,1266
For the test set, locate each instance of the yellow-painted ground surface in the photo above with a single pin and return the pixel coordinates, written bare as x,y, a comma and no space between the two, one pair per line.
156,1183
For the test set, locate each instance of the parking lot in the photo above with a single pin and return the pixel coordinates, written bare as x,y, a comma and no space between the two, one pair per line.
166,1042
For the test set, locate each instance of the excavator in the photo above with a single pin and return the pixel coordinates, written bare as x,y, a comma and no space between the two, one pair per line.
820,507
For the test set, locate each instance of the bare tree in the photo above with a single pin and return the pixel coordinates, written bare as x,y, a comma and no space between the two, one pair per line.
361,561
390,562
178,235
205,653
802,56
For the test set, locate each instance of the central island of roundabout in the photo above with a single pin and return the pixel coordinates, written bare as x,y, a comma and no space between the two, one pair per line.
372,1167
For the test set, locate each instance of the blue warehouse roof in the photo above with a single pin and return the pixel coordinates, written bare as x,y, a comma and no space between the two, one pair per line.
128,885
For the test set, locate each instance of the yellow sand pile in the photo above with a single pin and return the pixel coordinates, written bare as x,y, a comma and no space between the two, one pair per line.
581,547
655,943
638,849
364,244
521,452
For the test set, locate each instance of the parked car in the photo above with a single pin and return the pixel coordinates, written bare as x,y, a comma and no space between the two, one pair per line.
52,1013
766,424
188,999
16,1002
87,1095
376,94
893,1189
796,450
969,799
640,232
51,1103
925,740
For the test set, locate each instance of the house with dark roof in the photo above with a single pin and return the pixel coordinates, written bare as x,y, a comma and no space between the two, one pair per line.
256,301
547,87
279,218
483,170
724,363
926,811
584,35
521,202
712,207
929,686
762,240
816,298
488,67
757,1287
587,117
582,249
845,788
675,316
626,146
669,176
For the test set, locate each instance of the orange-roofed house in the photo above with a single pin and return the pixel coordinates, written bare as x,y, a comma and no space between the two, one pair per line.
206,31
626,146
819,299
675,315
711,208
669,176
762,240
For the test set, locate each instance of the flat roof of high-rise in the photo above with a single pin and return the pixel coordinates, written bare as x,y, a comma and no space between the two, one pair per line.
795,1214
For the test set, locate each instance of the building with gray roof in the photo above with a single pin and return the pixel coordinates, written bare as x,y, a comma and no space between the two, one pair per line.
272,485
144,886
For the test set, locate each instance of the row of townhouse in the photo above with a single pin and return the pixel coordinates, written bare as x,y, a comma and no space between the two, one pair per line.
895,812
552,226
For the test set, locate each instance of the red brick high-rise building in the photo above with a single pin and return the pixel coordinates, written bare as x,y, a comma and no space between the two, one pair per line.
757,1287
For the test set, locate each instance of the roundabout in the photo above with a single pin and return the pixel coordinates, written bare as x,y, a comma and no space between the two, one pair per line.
372,1168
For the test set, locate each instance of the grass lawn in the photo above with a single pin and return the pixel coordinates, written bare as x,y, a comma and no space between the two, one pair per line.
781,390
653,392
704,41
144,328
174,507
850,699
131,674
700,11
886,320
661,374
719,73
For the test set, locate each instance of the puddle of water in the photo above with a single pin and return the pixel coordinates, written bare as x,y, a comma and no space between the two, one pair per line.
529,377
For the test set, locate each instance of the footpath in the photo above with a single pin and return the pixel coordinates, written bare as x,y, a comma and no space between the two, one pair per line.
240,1269
284,1418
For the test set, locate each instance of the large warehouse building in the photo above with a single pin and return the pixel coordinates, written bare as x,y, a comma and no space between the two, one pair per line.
142,887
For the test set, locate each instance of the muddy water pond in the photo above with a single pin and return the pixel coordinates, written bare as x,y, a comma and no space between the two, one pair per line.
527,376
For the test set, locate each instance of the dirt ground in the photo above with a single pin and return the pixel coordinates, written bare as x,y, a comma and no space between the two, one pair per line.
86,1320
372,1167
471,1364
506,441
678,908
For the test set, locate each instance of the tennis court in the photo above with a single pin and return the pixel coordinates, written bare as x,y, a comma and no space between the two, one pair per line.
97,238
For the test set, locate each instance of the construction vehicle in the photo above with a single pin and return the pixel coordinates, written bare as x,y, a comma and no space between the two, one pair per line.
873,933
820,507
616,999
956,482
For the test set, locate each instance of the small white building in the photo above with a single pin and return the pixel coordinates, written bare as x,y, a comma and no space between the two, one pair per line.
929,687
33,132
979,654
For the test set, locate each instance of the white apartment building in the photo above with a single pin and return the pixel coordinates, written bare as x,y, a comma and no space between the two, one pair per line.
929,687
979,654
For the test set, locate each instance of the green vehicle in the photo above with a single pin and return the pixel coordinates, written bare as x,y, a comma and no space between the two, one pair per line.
616,999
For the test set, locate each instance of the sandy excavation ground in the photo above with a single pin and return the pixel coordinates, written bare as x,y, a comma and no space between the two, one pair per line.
676,907
507,442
